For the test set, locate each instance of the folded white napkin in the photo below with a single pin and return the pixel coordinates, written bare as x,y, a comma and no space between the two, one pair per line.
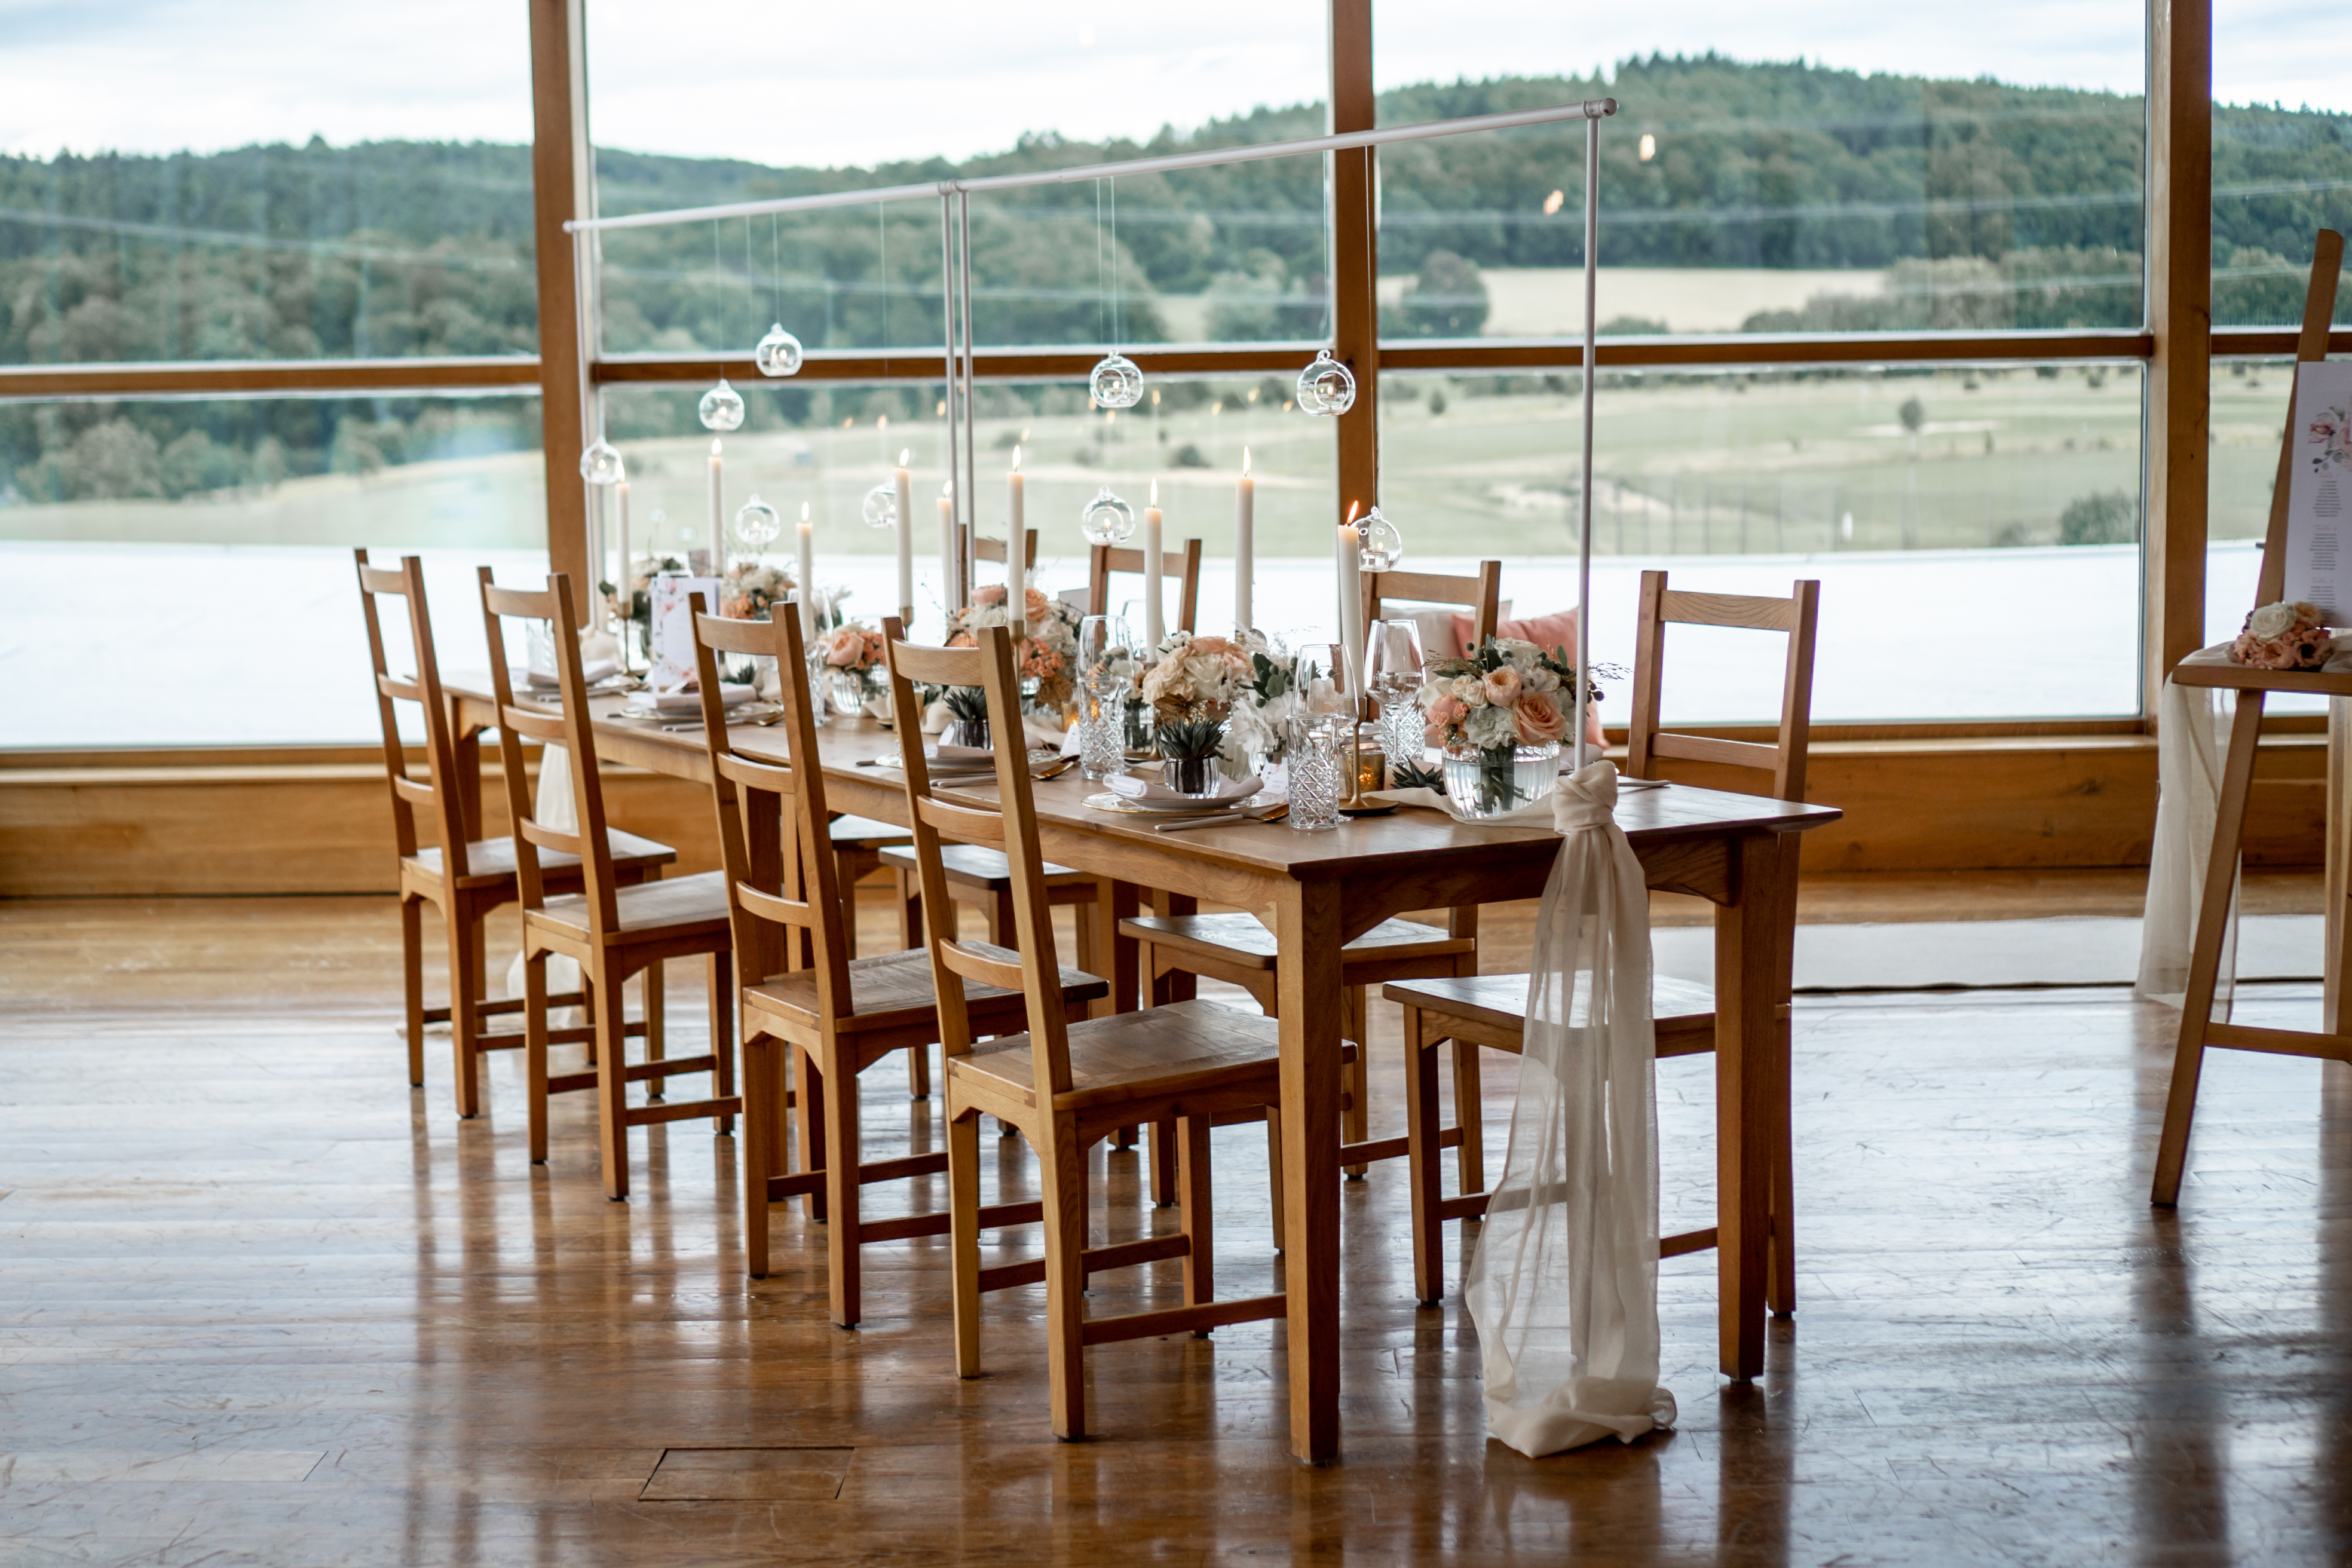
592,670
686,704
959,756
1137,786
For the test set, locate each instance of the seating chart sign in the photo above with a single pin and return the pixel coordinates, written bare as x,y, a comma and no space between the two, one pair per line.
671,649
2319,490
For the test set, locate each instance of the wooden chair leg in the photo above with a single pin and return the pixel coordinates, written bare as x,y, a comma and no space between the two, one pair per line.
465,1005
1199,1241
963,1238
762,1100
813,1118
918,1073
657,1040
726,1000
844,864
1356,1118
1274,1172
841,1173
1470,1115
1780,1284
412,984
1424,1157
1001,931
612,1078
1166,1162
1062,1166
909,899
534,1050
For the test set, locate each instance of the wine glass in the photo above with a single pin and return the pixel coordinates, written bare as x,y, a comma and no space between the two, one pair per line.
1393,671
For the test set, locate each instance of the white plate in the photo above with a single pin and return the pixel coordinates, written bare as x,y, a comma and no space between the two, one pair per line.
1109,801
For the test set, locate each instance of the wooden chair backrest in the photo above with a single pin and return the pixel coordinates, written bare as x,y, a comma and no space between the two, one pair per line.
1481,594
569,727
1794,615
1185,565
993,550
436,791
1010,824
773,894
2310,346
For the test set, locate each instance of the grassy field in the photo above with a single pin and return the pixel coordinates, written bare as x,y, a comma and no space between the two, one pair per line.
1719,464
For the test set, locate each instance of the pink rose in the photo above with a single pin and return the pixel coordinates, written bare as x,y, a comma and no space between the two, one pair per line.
1536,717
1034,604
1445,711
1503,686
844,647
987,594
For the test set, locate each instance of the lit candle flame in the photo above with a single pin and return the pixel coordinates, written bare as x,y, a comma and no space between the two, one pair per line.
1155,494
904,452
1351,514
948,489
1016,459
804,508
714,446
1246,462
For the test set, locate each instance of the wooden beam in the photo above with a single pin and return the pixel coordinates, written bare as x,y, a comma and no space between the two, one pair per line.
563,186
2181,318
248,376
1355,255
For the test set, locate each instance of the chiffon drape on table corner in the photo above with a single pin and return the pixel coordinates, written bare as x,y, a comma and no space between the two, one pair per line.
554,808
1563,1283
2192,734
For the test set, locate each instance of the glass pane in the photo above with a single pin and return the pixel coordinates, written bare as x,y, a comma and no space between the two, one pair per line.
1224,255
825,447
274,185
2249,416
180,571
1911,172
2281,158
1974,529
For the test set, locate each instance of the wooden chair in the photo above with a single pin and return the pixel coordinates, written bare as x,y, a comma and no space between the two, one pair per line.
1064,1085
1185,565
1238,949
464,876
610,929
993,550
1490,1010
841,1014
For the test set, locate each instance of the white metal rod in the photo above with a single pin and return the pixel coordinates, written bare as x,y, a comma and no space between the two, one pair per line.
951,572
1584,545
1591,108
969,484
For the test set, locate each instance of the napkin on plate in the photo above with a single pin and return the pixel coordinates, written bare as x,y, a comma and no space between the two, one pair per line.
1134,786
689,704
590,670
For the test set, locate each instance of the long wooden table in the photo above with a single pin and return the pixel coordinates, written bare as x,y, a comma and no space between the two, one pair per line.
1322,891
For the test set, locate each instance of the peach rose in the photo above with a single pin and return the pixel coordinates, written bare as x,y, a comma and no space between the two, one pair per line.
1206,647
1444,711
1538,719
987,594
1503,685
844,646
1036,605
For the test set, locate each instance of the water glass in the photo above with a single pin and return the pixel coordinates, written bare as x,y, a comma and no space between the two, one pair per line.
1102,725
1317,760
1393,672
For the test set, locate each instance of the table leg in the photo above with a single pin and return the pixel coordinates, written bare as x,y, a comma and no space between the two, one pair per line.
1307,933
1118,959
1745,1039
468,764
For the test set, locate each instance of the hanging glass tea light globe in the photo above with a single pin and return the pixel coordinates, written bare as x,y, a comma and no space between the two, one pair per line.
722,408
1326,386
778,353
1107,520
1117,382
757,523
1379,544
601,464
880,507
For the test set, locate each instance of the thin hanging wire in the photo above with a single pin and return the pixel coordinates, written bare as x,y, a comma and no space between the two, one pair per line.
718,278
775,265
1116,334
882,270
1102,287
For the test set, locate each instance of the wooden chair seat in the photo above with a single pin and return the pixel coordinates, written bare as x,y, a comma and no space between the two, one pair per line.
1491,1010
847,832
492,860
1160,1054
1243,941
893,991
683,908
981,871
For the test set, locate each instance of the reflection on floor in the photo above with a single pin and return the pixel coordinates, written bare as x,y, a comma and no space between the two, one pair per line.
266,1304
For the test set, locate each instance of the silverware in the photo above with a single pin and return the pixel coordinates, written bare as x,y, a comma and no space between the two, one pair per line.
1274,813
1053,769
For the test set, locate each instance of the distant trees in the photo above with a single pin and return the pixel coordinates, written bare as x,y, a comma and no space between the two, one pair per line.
1446,298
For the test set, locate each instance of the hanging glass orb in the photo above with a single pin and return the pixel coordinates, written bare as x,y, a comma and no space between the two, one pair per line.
601,464
1107,520
778,353
1326,386
880,507
1115,383
757,522
722,408
1379,544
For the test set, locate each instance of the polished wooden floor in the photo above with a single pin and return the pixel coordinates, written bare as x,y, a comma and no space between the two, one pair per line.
260,1302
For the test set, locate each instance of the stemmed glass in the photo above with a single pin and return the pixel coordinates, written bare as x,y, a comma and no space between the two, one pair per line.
1393,672
1103,685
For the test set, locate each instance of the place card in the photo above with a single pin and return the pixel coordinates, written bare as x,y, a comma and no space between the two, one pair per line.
671,645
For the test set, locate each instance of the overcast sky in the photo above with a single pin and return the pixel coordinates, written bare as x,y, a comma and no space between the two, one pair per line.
851,84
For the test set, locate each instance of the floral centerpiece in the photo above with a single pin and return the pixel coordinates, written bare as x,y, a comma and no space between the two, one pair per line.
1191,686
750,590
1500,713
1258,723
1048,654
2285,636
851,657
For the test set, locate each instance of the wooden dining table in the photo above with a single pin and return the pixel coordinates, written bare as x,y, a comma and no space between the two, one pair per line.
1319,890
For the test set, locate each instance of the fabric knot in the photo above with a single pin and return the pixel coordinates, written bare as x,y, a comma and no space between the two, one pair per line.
1587,798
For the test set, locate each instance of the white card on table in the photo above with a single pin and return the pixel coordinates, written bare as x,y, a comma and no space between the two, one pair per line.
2319,490
671,649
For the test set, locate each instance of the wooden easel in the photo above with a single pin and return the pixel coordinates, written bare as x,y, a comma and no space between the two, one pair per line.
2211,667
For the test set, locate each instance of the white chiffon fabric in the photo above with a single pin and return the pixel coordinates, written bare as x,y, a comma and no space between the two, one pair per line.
2192,736
1563,1283
554,808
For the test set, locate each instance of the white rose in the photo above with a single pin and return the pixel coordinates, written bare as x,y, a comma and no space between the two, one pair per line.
1470,691
1519,651
1540,680
2271,620
1488,727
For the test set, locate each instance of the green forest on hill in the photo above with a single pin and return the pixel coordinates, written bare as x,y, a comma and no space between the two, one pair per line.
1990,207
